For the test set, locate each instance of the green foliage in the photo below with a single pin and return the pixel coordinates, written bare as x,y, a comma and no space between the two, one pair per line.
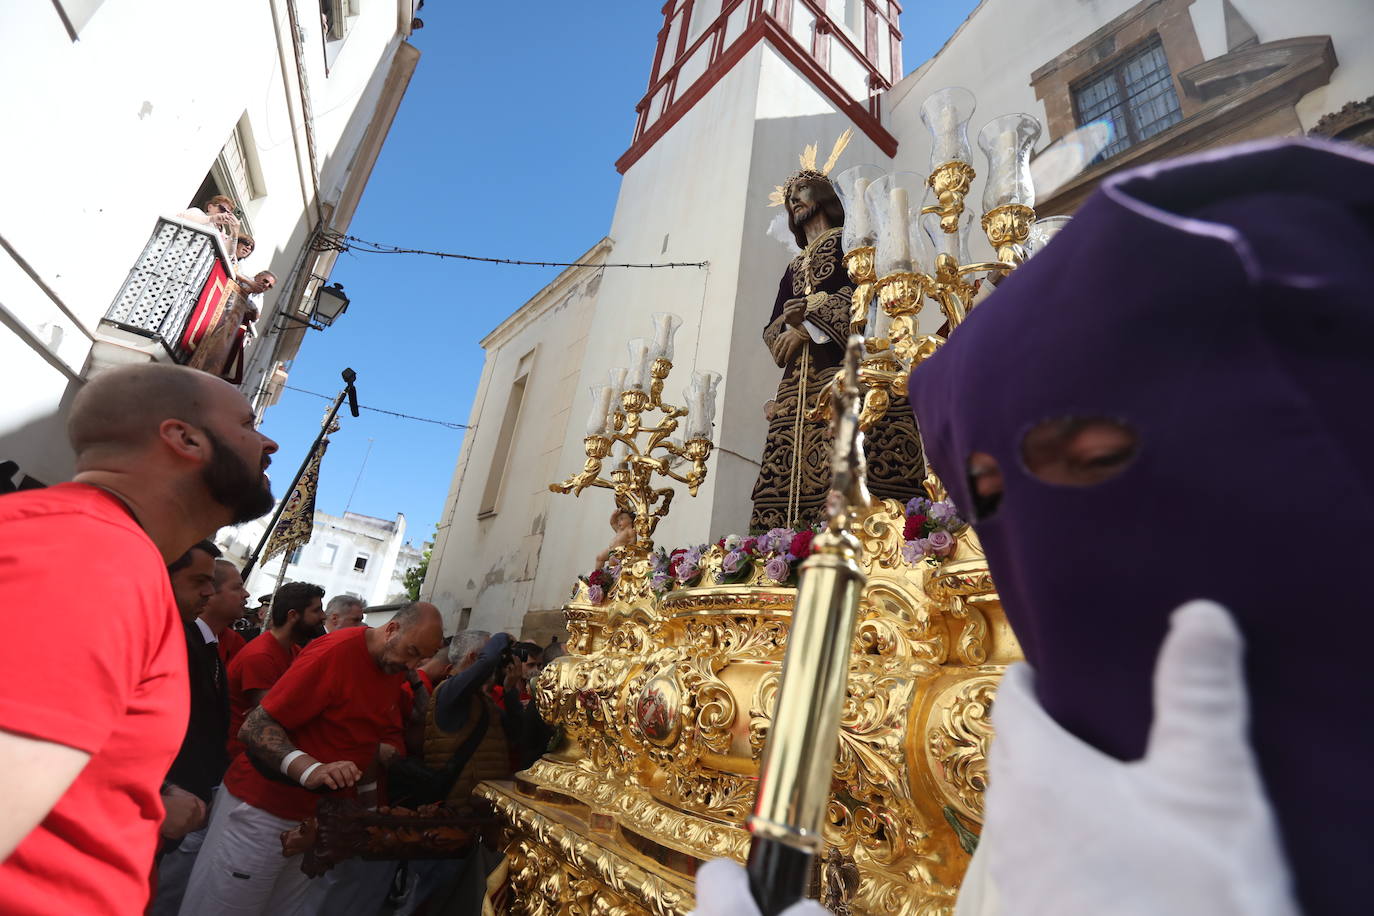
415,577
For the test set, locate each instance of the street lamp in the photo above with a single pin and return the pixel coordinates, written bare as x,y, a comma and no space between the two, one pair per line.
330,303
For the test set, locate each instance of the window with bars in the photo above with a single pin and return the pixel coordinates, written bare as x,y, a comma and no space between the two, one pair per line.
1135,95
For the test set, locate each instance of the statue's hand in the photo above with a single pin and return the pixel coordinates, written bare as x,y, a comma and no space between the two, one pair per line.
794,312
787,347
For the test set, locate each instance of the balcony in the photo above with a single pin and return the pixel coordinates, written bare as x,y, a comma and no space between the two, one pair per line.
179,303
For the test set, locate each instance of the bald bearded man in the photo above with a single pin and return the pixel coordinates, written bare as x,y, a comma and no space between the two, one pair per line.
165,456
317,731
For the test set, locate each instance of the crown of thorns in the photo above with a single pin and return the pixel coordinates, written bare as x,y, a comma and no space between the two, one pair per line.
808,171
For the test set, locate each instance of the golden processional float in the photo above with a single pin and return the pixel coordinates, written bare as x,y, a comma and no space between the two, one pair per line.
669,697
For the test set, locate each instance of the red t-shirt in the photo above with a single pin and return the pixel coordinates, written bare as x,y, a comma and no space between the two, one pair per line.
230,644
261,663
74,561
336,704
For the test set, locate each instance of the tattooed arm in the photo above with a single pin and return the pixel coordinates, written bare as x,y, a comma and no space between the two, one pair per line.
268,744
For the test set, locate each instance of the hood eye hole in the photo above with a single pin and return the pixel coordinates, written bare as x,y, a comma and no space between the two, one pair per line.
984,485
1079,451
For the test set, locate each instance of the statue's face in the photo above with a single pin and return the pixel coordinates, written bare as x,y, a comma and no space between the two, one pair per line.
804,199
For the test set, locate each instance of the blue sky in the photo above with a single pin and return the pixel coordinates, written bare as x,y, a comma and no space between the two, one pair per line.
504,146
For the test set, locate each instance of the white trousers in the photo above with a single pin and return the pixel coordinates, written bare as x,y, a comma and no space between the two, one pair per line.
240,870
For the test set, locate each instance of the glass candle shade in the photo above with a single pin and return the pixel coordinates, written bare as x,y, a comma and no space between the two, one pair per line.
641,356
1007,142
701,399
851,186
946,113
1042,230
954,244
894,203
665,330
616,380
598,419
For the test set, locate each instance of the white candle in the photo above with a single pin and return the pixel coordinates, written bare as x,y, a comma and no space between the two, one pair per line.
601,408
639,362
859,218
899,228
617,380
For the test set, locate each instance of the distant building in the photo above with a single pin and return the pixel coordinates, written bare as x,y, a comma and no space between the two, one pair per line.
352,554
133,113
735,92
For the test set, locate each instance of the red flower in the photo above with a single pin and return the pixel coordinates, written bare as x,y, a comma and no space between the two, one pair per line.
599,577
913,527
801,544
749,545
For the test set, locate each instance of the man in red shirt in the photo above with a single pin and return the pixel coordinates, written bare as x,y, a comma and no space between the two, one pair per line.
165,456
296,619
226,605
318,729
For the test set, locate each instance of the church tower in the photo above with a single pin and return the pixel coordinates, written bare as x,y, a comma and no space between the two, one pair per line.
736,89
849,50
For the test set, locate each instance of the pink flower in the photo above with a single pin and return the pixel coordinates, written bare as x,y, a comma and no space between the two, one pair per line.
941,543
595,594
777,569
912,552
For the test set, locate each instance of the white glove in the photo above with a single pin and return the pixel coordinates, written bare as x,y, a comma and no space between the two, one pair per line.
723,890
1185,830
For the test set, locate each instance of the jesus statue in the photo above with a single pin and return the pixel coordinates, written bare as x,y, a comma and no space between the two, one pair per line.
806,336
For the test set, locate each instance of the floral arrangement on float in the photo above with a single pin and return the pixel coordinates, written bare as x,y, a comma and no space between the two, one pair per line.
775,554
930,529
928,536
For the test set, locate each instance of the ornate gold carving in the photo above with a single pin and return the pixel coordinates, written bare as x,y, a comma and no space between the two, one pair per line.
670,703
1007,229
958,745
950,181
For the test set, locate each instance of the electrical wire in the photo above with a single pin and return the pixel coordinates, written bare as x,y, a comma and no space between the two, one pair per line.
392,413
333,241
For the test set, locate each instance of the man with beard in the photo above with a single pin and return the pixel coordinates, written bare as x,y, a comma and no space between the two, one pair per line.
318,729
165,456
805,336
296,619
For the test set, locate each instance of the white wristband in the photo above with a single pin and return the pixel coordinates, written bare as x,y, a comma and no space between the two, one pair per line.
286,761
368,787
308,770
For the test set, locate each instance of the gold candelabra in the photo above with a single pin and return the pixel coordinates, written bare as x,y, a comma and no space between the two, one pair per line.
890,286
647,451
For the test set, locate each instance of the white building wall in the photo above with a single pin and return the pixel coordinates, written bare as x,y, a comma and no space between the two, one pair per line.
488,561
111,131
329,560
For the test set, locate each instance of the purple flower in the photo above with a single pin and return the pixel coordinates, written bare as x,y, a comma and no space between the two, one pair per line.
659,581
912,552
941,543
686,570
918,505
942,511
732,562
693,556
775,540
777,569
595,595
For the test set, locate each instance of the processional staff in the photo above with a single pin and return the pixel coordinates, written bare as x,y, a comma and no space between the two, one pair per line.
794,780
349,392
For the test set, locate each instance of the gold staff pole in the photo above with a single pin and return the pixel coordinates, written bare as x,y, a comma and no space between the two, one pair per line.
794,780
